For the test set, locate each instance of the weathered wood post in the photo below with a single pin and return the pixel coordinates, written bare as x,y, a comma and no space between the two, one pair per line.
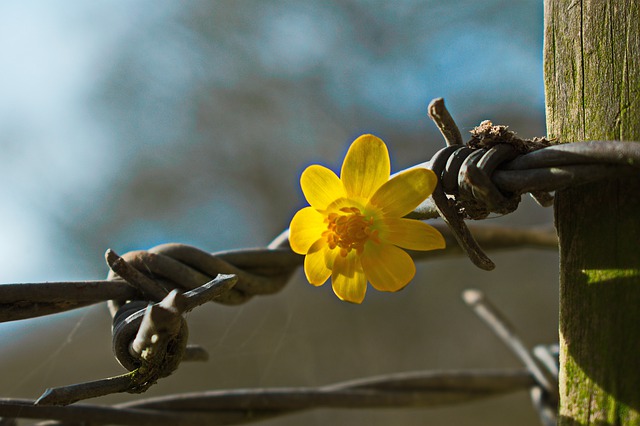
592,81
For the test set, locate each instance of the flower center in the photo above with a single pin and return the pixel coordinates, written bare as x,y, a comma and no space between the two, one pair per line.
349,230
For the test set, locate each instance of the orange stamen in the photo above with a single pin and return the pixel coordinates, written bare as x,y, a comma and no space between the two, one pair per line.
349,230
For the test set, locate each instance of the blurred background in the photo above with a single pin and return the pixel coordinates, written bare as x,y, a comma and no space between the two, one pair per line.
129,124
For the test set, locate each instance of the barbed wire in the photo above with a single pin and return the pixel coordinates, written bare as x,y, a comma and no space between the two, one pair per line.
260,271
409,389
149,291
240,406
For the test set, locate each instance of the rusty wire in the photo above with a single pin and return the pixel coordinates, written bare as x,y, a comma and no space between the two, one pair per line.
148,291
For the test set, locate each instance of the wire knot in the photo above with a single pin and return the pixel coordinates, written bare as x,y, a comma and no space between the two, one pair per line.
169,279
149,330
465,188
151,339
467,175
467,178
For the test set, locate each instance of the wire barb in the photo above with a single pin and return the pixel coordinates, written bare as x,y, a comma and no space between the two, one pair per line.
145,285
439,113
506,332
545,394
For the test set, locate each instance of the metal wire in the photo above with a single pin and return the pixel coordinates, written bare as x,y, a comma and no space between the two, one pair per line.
184,267
239,406
489,175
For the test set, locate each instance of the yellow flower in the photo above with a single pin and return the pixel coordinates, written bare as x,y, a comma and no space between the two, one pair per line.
354,228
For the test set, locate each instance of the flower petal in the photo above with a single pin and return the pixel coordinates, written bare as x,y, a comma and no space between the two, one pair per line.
305,229
400,195
411,234
321,186
315,265
366,167
348,280
387,267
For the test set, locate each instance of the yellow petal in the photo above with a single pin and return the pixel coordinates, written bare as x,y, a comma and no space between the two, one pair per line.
411,234
366,167
404,192
348,280
344,202
321,186
330,256
315,267
305,229
387,267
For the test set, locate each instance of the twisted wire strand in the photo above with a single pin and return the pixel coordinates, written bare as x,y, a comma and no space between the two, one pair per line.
238,406
410,389
269,265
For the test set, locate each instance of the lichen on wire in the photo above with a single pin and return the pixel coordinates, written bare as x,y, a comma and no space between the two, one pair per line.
149,291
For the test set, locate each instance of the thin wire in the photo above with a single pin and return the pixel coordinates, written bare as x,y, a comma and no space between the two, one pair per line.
239,406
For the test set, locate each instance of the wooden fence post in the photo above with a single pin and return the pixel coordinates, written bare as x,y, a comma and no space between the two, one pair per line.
592,84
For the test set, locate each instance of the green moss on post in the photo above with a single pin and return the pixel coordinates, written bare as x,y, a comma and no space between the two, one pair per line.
592,83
